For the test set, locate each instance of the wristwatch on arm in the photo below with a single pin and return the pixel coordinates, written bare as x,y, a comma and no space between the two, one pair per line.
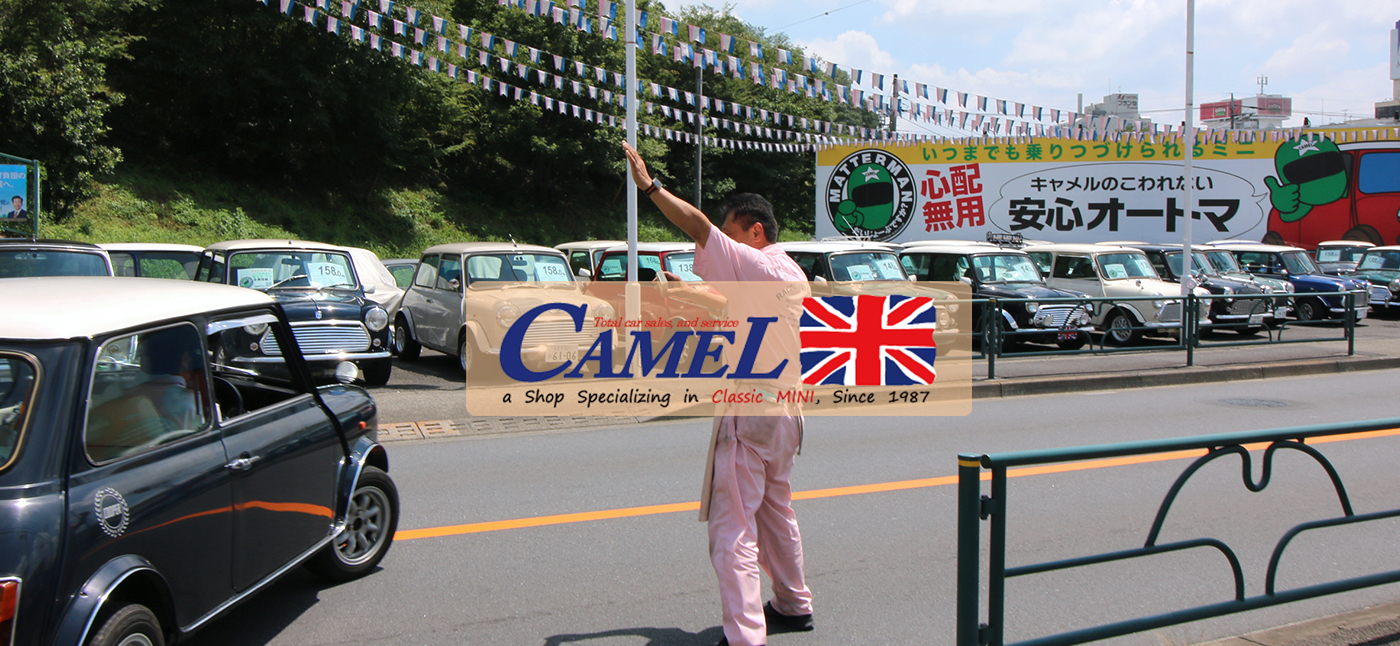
655,186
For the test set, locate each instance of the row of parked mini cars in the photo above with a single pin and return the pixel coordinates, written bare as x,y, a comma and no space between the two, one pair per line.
166,449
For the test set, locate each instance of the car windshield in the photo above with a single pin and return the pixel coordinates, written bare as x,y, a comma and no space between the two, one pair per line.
1006,268
517,268
50,262
1223,261
1380,260
1298,262
1340,254
1199,264
17,381
682,264
1116,266
263,270
865,265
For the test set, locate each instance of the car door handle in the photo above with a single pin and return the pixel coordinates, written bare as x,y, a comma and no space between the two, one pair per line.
243,463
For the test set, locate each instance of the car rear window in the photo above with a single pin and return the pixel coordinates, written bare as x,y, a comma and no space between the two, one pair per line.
18,381
27,263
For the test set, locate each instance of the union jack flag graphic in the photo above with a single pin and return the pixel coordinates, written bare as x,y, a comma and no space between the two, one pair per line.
868,340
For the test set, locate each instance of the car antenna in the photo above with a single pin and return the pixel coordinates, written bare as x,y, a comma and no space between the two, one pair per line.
512,240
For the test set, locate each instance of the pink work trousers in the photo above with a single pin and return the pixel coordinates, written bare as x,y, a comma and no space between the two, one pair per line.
752,524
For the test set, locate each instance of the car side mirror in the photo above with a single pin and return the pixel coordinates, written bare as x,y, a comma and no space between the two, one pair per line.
584,273
454,285
913,279
966,279
818,279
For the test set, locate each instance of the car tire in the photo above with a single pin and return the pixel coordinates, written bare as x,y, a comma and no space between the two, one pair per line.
1118,330
1310,309
1009,342
377,372
404,345
131,625
370,524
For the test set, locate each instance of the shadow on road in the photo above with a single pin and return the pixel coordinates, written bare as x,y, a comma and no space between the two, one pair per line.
655,636
265,615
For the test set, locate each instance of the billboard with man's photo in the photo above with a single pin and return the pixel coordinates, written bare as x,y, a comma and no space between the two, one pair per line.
14,192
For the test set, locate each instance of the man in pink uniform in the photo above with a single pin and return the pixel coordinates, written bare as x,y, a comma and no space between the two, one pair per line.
747,497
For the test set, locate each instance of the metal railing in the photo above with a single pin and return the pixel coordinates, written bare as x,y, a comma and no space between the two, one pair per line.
973,508
1260,323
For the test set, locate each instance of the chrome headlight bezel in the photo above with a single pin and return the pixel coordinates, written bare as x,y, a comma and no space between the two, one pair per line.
506,314
1032,306
376,319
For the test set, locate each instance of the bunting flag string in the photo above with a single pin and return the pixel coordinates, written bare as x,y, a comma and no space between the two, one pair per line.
489,43
805,142
735,65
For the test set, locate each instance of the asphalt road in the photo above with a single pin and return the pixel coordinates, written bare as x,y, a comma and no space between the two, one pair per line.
881,563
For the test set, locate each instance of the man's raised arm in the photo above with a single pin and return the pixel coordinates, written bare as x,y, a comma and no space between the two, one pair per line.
680,212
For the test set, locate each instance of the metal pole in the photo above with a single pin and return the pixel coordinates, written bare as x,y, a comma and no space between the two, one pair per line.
996,562
894,108
1190,145
634,290
969,548
699,129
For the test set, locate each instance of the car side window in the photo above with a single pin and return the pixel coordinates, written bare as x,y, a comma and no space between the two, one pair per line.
123,264
448,271
1042,262
808,263
915,265
945,267
427,271
612,268
578,260
148,389
1159,263
1074,267
1255,262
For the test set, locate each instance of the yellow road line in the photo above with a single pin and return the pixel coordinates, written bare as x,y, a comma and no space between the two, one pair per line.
628,512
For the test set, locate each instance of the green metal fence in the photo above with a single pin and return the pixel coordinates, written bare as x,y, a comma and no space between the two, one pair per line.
974,508
996,333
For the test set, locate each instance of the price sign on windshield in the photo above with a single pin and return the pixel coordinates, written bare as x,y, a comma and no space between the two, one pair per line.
328,273
551,272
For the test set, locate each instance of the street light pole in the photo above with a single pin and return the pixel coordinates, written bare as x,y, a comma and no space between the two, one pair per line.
1189,145
699,128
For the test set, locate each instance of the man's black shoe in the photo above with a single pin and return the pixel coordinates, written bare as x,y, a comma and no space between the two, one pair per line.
788,623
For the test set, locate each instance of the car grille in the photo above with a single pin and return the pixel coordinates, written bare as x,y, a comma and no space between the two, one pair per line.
1380,293
1363,298
1058,314
1245,306
1170,312
543,332
322,339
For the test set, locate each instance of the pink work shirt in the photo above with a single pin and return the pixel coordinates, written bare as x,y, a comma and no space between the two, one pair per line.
721,258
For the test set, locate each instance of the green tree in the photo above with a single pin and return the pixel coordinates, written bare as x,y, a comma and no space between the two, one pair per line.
54,99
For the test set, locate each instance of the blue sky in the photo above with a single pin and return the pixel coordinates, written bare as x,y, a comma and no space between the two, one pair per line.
1330,57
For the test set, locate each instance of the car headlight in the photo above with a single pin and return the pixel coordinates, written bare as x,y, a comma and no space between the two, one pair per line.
1395,285
255,329
605,311
1288,287
1158,304
506,314
376,319
1032,307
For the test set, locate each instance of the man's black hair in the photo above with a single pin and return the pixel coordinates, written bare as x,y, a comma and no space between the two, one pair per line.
15,198
749,208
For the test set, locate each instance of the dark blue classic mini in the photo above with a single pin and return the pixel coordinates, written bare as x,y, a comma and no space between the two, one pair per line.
145,487
324,299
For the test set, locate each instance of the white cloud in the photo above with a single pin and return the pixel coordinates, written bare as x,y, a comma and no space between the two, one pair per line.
852,49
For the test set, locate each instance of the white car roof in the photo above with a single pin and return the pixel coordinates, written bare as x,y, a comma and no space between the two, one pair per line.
149,246
1385,248
1084,248
488,247
656,247
1256,246
272,243
1344,243
833,245
68,307
589,244
948,243
370,270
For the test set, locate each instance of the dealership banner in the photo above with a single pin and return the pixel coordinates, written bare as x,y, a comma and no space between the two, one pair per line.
743,348
1294,187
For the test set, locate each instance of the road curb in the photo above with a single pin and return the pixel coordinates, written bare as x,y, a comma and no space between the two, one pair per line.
1376,625
1021,386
